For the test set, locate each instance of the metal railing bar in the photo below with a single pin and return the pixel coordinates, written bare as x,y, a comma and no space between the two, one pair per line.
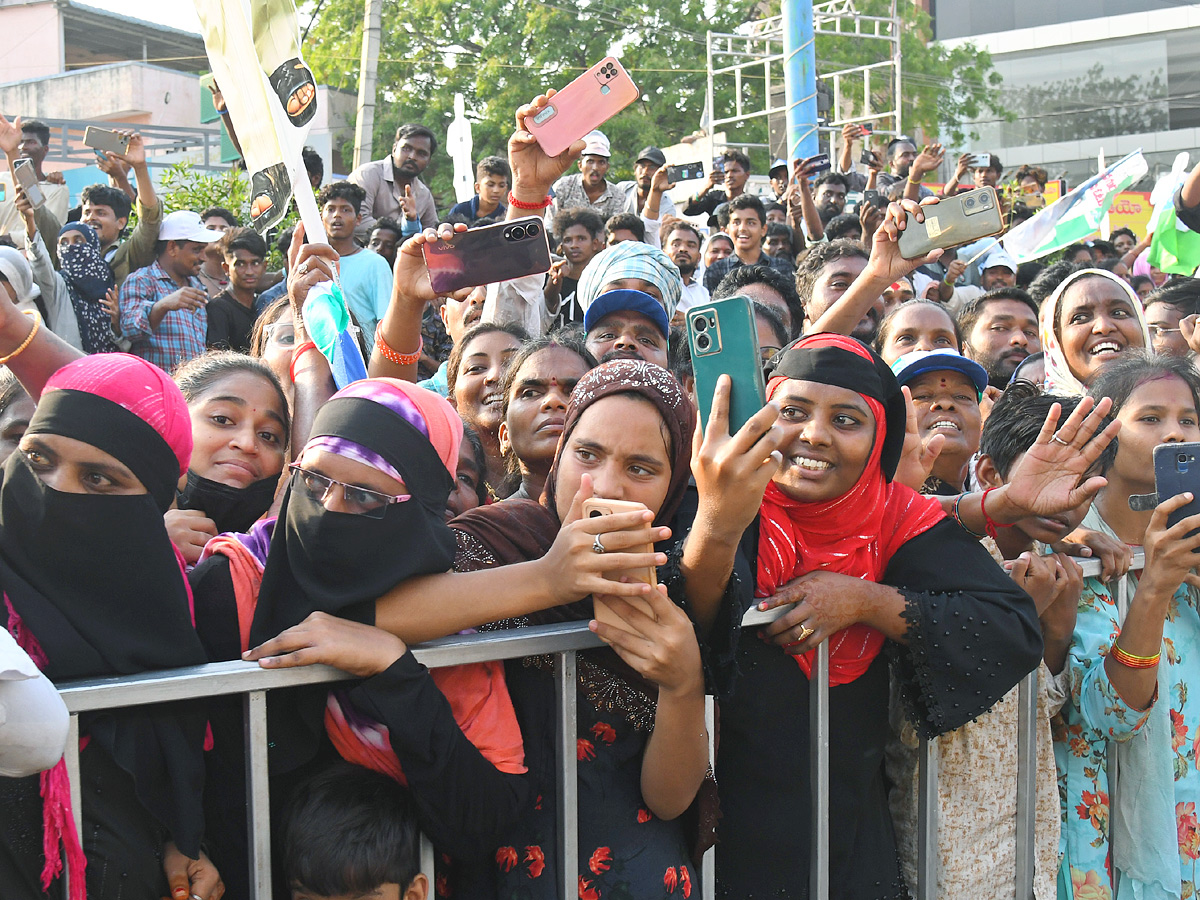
258,791
818,717
927,820
568,786
1027,774
708,871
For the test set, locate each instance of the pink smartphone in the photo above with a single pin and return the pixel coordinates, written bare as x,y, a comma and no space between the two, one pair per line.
583,105
600,507
498,252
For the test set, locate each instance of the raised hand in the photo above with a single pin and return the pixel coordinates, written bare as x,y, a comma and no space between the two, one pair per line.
661,648
10,135
533,170
886,262
919,453
408,204
927,160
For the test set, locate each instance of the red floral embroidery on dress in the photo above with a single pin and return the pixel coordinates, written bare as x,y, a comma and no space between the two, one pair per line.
585,750
602,731
601,861
685,881
670,880
644,816
536,860
506,858
587,891
442,886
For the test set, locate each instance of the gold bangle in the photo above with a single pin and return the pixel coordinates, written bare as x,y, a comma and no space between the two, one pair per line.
37,323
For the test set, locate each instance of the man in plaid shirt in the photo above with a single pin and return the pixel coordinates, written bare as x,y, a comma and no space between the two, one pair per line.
163,305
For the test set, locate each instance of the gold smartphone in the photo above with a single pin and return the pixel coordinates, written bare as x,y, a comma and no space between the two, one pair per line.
600,507
958,219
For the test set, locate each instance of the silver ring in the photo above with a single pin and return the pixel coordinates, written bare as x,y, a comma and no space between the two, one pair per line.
196,897
1059,440
301,269
598,547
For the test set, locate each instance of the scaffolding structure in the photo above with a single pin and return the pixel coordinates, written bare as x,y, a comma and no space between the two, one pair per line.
756,52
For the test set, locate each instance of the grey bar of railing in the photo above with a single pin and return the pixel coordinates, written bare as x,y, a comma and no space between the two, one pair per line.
928,855
1027,774
818,728
428,863
258,795
708,871
71,756
1114,748
568,786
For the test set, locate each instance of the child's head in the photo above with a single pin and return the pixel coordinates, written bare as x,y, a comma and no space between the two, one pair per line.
1011,429
340,203
244,255
352,833
493,178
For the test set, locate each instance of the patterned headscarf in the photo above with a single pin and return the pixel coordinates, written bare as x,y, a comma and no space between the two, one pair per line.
631,259
88,279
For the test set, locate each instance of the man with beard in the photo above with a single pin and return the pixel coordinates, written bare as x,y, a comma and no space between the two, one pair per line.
630,292
827,272
580,237
589,189
393,184
682,244
902,153
830,195
637,192
999,330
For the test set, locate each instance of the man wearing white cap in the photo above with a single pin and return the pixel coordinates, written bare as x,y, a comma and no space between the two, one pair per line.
589,189
163,312
996,270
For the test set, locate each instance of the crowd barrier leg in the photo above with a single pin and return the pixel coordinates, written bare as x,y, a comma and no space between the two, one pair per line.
568,787
71,755
819,764
258,794
1026,784
928,856
708,873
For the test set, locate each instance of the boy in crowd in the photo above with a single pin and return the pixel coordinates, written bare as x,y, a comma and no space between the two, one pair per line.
366,276
231,312
386,238
492,180
351,832
747,224
624,227
580,235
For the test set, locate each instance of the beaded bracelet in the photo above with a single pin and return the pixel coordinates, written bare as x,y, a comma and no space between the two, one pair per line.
37,323
513,201
957,518
394,356
1131,661
297,353
990,525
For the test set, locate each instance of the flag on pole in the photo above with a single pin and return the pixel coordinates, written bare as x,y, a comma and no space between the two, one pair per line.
1077,215
1175,248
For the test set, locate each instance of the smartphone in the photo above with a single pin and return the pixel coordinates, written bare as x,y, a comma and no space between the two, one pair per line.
981,160
875,199
718,164
499,252
26,176
598,506
867,127
685,172
723,338
868,158
958,219
1177,469
819,163
582,106
105,140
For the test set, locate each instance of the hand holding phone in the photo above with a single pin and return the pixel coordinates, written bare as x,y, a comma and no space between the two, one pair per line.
499,252
582,106
954,220
105,140
685,172
598,506
26,176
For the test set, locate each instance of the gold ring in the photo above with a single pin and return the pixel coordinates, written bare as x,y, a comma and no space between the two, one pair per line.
806,632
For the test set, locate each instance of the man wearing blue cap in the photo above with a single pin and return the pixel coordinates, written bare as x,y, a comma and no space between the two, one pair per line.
946,388
629,294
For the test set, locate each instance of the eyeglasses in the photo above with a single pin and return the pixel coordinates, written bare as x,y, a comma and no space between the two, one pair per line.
1159,331
767,352
282,333
359,501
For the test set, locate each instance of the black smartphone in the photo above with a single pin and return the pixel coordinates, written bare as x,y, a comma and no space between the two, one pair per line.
718,164
868,158
498,252
819,163
1177,469
685,172
875,199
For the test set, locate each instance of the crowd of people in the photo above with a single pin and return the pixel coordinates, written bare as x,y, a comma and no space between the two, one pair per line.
944,439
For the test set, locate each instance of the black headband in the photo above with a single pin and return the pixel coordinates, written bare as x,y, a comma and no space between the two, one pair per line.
400,443
110,427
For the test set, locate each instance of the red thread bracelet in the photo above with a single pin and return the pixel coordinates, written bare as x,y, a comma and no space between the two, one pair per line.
513,201
395,356
989,524
297,353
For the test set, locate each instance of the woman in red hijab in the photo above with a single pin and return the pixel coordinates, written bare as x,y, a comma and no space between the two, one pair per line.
886,568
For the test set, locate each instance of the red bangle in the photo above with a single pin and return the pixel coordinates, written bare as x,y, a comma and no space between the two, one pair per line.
989,524
1130,661
513,201
297,353
393,356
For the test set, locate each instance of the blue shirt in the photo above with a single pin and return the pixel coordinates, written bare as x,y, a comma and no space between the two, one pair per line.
180,334
470,209
367,286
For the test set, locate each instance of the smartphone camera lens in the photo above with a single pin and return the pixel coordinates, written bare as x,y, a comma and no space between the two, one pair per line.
985,199
531,230
595,514
703,342
699,323
1182,457
970,203
516,233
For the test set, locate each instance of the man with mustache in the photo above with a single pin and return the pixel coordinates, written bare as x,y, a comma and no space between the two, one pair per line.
393,185
1000,329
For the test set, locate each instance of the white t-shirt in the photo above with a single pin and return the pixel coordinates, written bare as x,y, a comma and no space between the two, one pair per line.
33,719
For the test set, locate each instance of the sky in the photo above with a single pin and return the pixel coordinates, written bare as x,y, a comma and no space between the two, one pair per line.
179,14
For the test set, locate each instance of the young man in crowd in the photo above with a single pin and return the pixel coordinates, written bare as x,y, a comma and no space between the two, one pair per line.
996,270
590,188
1175,300
768,287
637,192
212,273
163,313
732,174
747,222
392,186
901,156
580,237
366,276
999,331
779,240
624,227
493,178
386,237
29,140
825,273
682,242
231,312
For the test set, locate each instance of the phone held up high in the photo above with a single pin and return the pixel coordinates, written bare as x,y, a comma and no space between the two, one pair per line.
685,172
105,140
723,336
499,252
958,219
1176,470
26,177
598,506
583,105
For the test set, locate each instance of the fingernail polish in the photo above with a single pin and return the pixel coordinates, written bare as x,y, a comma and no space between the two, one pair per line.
762,607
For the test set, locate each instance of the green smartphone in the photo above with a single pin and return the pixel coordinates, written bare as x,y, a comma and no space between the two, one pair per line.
723,338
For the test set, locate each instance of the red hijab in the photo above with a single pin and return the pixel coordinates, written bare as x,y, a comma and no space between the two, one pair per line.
858,532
